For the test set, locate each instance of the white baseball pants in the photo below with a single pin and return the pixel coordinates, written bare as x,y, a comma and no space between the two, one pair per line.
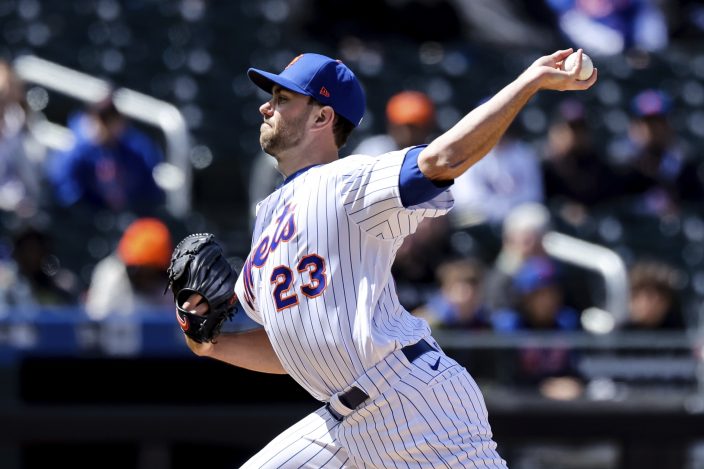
416,417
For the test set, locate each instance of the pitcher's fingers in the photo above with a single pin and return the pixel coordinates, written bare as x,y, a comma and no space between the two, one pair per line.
201,309
192,300
561,55
583,85
577,69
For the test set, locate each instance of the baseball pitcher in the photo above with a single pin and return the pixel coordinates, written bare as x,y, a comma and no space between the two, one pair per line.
318,277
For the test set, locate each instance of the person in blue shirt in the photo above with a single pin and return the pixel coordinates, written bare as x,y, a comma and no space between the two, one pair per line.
110,164
539,298
540,307
459,300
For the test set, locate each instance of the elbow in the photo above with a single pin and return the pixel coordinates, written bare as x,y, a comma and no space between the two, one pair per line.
451,161
439,164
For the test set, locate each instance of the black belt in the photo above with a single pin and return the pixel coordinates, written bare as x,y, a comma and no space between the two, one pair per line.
354,397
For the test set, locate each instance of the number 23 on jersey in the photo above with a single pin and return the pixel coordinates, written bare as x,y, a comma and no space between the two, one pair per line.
311,269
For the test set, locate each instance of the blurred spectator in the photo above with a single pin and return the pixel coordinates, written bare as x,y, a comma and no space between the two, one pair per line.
410,120
20,181
576,179
656,172
133,278
654,302
523,232
459,303
540,306
508,23
540,300
611,27
507,177
110,165
34,276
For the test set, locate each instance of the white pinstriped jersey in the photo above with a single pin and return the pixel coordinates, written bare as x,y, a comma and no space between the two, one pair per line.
318,277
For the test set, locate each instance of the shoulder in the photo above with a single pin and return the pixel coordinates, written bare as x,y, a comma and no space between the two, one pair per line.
268,201
81,150
347,168
349,163
357,163
136,137
108,271
568,319
506,320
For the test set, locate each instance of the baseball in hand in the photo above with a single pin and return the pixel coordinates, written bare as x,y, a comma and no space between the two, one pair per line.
587,66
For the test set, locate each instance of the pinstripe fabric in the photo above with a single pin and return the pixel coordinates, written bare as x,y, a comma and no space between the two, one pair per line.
318,278
307,444
427,419
348,213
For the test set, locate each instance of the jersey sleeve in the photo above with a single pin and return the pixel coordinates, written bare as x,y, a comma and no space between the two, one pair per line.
387,196
245,291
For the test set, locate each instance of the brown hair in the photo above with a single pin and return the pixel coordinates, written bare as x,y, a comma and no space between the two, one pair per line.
341,129
656,275
105,110
464,269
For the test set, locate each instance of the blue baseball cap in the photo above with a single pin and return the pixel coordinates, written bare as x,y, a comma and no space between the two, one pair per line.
328,81
534,274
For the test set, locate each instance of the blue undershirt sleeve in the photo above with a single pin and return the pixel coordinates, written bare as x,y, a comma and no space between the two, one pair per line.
413,186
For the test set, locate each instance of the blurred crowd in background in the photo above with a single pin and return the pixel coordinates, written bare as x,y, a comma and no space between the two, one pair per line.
86,224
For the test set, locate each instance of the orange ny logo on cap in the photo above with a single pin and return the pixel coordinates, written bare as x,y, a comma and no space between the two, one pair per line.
295,59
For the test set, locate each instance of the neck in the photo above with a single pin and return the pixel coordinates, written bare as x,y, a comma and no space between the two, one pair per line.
295,159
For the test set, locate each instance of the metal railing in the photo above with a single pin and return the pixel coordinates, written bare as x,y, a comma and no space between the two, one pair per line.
606,263
174,175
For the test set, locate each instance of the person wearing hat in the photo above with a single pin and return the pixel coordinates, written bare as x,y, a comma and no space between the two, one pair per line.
540,306
539,301
318,276
657,175
132,279
410,120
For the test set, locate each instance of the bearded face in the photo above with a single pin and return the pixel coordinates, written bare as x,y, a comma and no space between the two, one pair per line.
280,133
